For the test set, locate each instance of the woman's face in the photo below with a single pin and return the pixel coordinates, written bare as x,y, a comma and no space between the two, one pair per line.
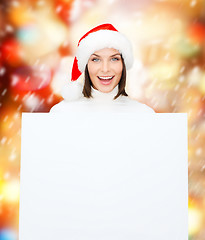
105,69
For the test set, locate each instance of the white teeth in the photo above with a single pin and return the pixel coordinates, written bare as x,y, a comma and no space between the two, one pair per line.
105,78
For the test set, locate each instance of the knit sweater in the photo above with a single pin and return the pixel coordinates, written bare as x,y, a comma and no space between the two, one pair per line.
102,101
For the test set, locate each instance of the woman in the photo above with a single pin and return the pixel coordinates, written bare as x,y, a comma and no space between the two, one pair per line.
104,55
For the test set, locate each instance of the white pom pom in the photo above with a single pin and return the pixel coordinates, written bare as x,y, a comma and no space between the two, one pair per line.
72,91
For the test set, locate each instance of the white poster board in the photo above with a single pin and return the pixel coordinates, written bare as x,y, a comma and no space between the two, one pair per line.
106,176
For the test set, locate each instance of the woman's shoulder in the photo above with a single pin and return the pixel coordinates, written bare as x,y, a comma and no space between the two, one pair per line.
136,104
84,104
64,105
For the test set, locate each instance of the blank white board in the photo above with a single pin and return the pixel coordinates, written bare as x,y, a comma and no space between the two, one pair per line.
104,175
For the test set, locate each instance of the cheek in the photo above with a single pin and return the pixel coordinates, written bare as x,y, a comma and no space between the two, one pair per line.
119,68
92,69
119,71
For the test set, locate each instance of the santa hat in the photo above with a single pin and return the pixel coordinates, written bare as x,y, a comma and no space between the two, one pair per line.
102,36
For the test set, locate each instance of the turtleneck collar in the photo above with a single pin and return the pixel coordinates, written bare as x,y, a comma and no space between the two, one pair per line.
101,96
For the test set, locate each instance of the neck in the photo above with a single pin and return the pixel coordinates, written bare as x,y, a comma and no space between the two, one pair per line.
97,95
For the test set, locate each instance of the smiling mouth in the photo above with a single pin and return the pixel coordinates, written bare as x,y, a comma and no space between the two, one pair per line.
106,78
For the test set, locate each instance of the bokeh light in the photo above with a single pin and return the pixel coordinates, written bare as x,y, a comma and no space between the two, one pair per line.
10,190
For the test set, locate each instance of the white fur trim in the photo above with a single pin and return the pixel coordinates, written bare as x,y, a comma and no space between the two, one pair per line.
72,91
104,39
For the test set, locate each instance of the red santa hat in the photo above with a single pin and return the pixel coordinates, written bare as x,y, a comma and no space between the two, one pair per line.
102,36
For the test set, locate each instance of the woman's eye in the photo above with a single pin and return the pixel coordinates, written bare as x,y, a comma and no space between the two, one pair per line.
95,59
115,59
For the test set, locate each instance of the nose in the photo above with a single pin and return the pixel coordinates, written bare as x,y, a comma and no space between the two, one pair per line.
105,66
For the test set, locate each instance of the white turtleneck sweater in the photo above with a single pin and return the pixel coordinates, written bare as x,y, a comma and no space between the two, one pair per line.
101,101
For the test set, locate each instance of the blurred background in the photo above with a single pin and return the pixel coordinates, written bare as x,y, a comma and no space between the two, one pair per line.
38,40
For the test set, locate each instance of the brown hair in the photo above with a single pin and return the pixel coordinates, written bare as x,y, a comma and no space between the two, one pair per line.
121,85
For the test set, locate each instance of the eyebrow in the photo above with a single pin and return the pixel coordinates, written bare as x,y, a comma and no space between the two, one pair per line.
110,56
